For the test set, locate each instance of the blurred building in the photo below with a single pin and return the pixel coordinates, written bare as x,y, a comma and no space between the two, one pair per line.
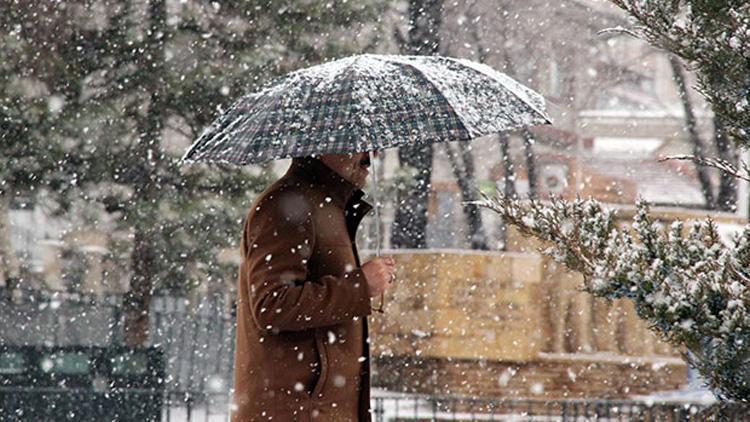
615,106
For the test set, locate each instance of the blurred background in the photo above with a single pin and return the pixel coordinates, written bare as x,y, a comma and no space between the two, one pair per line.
107,242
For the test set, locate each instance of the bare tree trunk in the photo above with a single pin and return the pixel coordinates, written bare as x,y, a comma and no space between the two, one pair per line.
9,266
409,226
690,123
482,51
727,197
425,19
509,188
464,175
528,148
137,301
479,237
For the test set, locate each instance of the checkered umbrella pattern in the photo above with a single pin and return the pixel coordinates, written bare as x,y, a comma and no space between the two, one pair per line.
365,103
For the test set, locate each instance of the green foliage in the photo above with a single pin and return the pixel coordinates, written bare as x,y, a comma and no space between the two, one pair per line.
689,285
100,99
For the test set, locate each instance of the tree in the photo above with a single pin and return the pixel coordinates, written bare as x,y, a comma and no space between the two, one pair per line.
727,192
508,182
463,171
691,287
523,40
528,32
29,156
463,164
712,37
528,150
725,198
138,81
691,125
409,226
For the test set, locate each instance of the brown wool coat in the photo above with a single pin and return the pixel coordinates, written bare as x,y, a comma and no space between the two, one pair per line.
301,350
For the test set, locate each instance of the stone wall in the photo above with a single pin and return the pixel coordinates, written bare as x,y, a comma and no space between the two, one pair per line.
463,305
511,324
548,377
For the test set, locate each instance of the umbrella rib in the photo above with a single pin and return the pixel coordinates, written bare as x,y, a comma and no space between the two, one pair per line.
471,65
204,145
190,150
396,59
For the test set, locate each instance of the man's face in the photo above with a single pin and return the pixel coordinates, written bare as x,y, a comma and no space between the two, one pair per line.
352,167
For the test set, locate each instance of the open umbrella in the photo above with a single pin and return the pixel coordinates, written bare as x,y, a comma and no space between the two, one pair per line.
364,103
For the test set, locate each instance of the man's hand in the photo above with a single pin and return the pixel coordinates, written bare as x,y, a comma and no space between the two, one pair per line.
379,273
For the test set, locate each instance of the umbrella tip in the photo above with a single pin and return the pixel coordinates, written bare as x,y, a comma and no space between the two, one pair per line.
187,158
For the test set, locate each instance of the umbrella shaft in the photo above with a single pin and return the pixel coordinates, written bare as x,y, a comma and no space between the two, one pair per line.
375,205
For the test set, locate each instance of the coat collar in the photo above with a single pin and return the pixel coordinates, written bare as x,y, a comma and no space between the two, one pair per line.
342,191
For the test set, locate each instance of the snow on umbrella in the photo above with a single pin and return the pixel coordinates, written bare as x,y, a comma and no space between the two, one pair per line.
365,103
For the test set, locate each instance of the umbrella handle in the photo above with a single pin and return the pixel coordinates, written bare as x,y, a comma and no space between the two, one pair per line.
375,205
379,309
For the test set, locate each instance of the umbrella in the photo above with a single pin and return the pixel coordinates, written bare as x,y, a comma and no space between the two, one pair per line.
364,103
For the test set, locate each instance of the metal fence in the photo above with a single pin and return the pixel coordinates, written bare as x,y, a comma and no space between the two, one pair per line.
197,341
433,408
389,408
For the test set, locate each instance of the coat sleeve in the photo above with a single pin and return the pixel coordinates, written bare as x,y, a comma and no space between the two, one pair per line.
282,296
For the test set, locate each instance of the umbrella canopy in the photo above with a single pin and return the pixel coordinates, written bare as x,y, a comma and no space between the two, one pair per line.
365,103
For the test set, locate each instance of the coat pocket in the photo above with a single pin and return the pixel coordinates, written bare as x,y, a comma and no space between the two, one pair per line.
320,347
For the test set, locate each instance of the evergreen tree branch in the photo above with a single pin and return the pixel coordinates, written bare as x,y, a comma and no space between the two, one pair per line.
690,286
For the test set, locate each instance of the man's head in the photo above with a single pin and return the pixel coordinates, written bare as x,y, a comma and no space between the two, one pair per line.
352,166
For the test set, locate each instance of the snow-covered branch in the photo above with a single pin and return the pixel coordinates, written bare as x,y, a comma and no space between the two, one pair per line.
690,286
716,163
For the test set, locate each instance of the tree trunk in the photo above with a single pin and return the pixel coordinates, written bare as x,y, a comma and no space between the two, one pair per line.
479,237
137,301
9,266
464,174
727,197
528,148
509,189
409,228
465,178
425,19
690,123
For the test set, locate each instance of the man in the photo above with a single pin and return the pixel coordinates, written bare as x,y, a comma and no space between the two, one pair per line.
302,351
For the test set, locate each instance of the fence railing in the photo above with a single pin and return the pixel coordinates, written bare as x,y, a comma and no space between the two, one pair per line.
197,339
437,408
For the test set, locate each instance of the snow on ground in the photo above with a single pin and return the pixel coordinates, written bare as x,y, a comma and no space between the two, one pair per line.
692,396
